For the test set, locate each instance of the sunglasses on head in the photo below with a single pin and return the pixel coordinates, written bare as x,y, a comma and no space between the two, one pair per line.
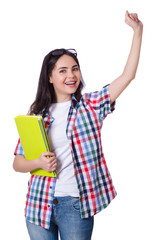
63,51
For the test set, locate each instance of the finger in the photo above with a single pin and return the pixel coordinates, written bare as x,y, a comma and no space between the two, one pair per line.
128,16
52,167
131,16
134,17
134,14
52,160
45,154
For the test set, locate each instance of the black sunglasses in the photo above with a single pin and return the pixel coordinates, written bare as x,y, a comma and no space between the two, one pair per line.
63,51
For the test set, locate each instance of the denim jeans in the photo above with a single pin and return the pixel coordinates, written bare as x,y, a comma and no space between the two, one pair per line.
66,219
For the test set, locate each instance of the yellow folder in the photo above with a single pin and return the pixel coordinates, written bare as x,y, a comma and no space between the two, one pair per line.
34,139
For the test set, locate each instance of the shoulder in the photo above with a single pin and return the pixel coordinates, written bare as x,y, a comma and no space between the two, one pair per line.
96,95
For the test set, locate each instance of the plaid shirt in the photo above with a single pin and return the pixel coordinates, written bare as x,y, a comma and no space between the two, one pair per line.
96,190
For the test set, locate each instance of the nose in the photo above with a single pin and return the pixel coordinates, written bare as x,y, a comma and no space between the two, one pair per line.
70,74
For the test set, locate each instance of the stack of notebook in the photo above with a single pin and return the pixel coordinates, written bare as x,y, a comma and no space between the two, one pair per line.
34,139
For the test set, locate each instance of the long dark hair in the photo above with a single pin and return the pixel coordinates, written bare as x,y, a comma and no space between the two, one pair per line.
45,95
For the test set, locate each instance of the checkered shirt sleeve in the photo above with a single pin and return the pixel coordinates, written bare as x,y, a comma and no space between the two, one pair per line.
100,101
19,149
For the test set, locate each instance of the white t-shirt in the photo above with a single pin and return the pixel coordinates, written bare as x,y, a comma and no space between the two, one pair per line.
66,184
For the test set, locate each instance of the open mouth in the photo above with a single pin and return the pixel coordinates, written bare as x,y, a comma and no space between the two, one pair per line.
70,83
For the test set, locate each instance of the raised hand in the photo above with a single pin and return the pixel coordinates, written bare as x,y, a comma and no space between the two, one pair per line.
133,21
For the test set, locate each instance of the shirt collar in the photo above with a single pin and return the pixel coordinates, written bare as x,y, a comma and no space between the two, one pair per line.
74,101
48,119
74,104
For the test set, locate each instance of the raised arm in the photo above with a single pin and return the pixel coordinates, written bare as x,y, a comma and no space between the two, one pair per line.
129,72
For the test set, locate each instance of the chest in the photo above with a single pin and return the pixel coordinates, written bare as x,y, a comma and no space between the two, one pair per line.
83,123
57,132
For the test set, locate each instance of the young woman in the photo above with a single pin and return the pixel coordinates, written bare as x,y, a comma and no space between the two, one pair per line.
73,121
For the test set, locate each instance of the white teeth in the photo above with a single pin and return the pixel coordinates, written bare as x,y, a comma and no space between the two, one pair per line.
70,83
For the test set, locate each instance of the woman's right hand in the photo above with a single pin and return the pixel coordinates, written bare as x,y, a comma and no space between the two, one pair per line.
48,164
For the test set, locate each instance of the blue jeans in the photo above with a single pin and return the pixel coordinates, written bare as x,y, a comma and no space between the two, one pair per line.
66,219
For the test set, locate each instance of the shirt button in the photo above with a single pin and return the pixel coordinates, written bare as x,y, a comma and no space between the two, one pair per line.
50,187
48,205
55,201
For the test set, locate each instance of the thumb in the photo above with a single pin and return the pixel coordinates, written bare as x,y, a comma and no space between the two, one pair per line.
127,13
128,17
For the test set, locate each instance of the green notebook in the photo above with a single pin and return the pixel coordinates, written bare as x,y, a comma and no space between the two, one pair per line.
34,139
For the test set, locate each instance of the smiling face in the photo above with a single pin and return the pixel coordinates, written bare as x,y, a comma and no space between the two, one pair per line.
65,78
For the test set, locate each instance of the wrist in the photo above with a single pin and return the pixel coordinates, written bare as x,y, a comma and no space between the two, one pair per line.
37,163
138,30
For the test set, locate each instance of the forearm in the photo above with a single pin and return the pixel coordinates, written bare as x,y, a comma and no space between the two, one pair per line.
134,55
129,72
46,161
20,164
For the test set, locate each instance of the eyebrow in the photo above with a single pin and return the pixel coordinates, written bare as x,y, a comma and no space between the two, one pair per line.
67,67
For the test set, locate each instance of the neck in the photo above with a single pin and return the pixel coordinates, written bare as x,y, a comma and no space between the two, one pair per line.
63,99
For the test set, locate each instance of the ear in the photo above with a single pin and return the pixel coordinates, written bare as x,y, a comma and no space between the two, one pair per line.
50,80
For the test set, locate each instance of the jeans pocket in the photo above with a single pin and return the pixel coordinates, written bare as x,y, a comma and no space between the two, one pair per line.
76,206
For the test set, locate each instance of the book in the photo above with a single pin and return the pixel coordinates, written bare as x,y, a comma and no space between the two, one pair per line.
34,140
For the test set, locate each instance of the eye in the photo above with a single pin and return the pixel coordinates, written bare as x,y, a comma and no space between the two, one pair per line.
62,71
75,69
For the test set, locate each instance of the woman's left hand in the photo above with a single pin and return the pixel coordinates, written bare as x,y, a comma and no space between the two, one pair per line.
132,20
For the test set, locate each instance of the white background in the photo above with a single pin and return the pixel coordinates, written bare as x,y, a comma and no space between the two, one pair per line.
96,29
